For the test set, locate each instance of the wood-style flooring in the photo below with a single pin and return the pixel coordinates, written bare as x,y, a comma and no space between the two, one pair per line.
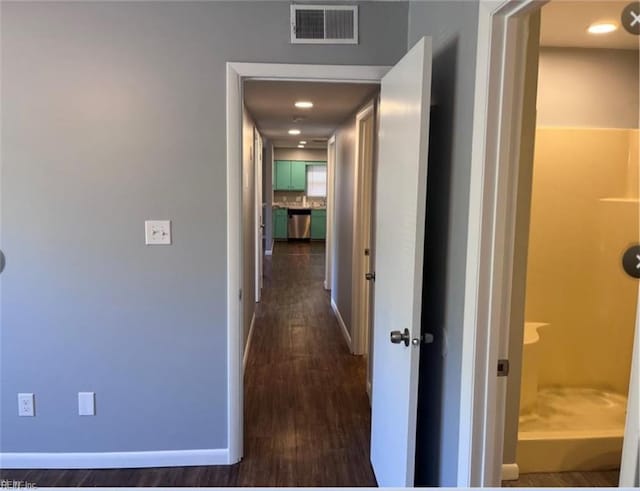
594,479
307,416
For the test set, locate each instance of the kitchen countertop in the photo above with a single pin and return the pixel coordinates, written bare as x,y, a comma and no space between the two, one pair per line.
300,207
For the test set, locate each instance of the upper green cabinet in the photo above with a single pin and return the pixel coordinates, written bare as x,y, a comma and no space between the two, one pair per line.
298,176
290,175
282,175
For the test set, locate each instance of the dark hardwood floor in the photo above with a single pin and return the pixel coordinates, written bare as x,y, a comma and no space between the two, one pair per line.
594,479
307,417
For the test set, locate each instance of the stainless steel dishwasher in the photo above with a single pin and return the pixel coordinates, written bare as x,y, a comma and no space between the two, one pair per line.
299,223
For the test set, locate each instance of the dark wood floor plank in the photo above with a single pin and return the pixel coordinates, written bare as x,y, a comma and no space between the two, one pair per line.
591,479
307,416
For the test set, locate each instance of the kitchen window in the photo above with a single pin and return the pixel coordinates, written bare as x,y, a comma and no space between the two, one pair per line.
317,181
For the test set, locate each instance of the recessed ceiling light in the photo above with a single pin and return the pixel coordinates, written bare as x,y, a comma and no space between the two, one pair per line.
303,142
294,132
304,104
300,146
602,28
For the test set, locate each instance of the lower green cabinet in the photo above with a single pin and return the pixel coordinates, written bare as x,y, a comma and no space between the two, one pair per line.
318,224
279,223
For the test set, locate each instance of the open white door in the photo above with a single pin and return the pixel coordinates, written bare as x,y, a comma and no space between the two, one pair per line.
400,219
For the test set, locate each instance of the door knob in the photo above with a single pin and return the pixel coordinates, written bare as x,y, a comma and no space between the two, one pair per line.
398,337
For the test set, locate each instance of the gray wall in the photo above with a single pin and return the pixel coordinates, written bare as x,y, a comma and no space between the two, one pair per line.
341,289
113,113
588,88
453,26
301,154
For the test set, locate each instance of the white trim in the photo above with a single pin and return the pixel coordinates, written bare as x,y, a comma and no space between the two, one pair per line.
497,118
234,264
317,73
329,244
510,472
247,345
258,210
343,326
630,461
236,72
113,460
360,214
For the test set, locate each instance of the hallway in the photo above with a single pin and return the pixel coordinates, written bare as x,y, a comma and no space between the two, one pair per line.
307,417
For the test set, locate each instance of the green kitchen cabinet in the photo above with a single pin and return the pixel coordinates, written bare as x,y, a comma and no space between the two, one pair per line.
318,224
279,223
290,175
298,175
283,175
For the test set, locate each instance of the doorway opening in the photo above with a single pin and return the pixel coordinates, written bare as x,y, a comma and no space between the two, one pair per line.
517,186
573,306
402,167
304,390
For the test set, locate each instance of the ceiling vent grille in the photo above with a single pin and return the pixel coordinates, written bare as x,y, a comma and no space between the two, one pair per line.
324,24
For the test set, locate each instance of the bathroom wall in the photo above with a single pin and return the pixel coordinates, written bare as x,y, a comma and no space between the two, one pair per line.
595,88
583,217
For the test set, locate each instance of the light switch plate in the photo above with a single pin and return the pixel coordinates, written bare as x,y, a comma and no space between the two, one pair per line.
157,232
86,403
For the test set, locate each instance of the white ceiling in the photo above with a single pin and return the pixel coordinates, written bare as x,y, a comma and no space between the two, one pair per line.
565,22
271,104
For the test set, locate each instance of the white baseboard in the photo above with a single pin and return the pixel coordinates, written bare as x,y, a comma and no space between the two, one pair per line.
113,460
269,252
247,347
343,326
510,472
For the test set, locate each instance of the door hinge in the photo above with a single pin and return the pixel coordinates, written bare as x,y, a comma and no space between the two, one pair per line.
503,367
370,276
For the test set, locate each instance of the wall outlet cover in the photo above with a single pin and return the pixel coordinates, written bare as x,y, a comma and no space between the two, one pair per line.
26,404
157,232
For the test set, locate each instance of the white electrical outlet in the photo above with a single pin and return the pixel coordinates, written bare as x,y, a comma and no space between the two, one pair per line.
157,232
87,403
26,404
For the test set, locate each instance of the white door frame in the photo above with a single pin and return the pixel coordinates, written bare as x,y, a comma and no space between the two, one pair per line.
236,72
259,210
331,172
362,218
500,70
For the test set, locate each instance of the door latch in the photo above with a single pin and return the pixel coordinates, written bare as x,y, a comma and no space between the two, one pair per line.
503,367
370,276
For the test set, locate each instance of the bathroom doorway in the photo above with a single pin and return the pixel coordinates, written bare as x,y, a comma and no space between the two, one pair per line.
573,305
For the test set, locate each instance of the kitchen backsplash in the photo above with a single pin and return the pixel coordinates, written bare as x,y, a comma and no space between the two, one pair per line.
297,198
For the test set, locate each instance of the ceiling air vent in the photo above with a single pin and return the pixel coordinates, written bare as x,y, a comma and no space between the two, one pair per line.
324,24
